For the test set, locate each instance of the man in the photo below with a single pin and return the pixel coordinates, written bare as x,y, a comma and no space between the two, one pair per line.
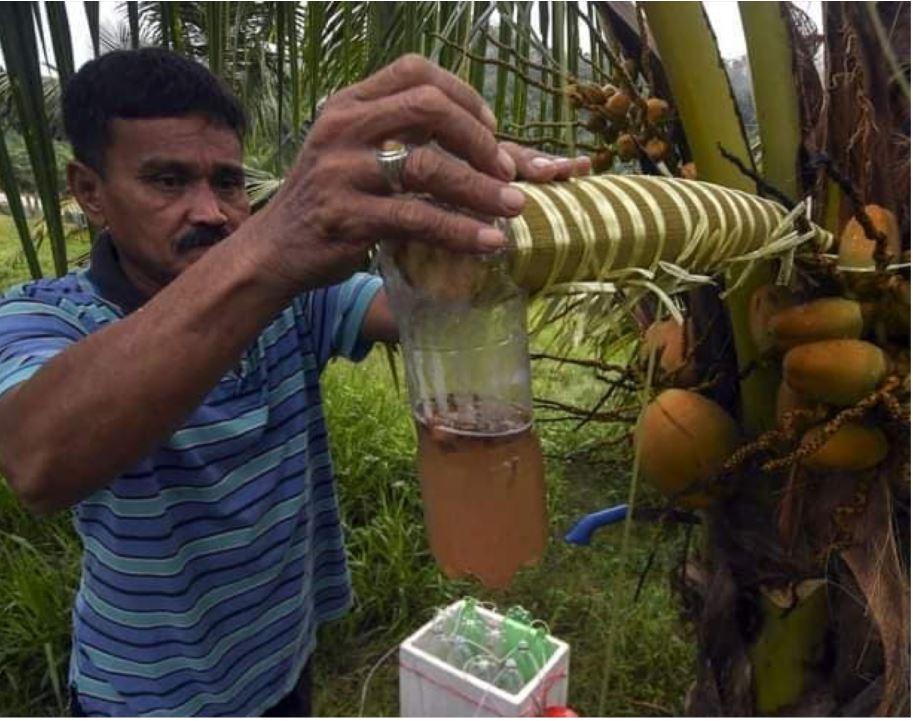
169,393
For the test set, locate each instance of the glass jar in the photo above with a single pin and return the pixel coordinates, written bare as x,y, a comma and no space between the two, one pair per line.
462,324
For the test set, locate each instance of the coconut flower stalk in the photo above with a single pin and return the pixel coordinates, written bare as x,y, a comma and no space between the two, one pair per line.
630,228
640,234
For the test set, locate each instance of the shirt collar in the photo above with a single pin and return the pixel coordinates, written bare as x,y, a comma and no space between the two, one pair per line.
109,278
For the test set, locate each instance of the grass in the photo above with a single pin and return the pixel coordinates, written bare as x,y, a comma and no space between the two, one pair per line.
585,594
398,586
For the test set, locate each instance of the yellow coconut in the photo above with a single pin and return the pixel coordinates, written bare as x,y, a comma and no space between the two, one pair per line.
840,372
656,149
822,319
657,110
671,342
618,105
626,147
766,301
857,250
805,412
853,447
684,440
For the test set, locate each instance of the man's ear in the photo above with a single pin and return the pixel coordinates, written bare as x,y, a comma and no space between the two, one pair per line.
86,186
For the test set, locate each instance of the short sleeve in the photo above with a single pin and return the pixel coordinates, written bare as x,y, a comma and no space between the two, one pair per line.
336,314
31,333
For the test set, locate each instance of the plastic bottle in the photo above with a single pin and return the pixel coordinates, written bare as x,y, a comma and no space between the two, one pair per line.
509,678
439,644
461,652
526,661
483,666
462,324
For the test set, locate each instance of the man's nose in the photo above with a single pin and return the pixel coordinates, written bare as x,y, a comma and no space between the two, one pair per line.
204,206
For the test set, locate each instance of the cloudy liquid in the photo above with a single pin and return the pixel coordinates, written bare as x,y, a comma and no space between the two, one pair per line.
483,490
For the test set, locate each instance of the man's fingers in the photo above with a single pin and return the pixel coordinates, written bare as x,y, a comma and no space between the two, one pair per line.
416,112
404,218
448,179
574,167
412,71
540,167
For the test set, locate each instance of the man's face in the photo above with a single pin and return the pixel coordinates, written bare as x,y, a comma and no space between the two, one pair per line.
172,187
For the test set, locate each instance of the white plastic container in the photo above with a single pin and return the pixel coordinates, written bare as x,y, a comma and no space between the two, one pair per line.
430,687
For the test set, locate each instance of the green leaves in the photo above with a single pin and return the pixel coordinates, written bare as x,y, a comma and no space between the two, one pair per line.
92,17
60,39
10,186
20,50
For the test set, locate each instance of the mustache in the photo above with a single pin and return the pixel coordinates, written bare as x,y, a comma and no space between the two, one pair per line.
201,236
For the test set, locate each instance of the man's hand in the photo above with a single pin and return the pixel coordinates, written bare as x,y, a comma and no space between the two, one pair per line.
538,167
335,202
532,165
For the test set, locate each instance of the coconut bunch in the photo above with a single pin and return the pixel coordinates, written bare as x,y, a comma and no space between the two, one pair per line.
626,121
836,354
836,351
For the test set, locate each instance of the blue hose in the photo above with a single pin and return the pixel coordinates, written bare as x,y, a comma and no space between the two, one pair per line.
583,530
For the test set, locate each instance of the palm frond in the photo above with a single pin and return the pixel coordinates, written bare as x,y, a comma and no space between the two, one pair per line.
17,38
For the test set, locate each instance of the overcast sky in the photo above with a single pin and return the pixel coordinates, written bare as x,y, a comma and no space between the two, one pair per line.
724,16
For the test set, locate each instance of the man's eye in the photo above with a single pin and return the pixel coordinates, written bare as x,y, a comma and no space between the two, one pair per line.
229,184
168,181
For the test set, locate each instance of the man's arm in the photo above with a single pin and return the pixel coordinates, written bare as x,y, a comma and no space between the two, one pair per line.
101,404
379,323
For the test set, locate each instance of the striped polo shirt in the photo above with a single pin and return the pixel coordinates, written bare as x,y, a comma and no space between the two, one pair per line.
208,566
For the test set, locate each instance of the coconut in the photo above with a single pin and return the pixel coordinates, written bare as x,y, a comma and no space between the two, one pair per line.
626,147
656,149
602,160
596,124
592,94
671,343
822,319
840,372
893,315
684,440
766,301
657,110
857,250
853,447
618,105
805,412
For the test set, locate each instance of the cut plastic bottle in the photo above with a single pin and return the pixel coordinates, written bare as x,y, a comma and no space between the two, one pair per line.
462,325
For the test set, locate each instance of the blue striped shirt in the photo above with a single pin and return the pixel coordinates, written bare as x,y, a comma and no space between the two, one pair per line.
208,566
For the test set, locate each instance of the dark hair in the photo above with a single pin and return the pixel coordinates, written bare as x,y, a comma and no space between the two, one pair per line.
144,83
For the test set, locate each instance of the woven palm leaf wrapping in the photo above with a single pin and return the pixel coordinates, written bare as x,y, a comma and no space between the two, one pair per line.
617,228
